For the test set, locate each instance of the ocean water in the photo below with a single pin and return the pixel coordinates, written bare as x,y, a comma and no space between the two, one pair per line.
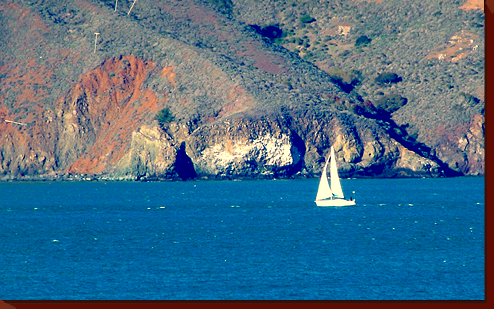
406,239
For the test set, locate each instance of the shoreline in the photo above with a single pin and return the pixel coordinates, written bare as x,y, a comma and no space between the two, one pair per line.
92,178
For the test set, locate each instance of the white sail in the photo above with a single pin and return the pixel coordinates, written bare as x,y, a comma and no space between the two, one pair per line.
335,180
331,196
324,191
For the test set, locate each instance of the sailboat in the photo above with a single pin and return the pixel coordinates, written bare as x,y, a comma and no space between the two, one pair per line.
331,196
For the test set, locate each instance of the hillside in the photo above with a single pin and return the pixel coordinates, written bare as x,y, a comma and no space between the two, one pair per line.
242,101
435,48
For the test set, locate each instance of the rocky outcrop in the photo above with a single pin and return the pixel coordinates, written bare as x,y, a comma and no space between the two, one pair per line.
364,148
462,147
267,147
246,148
151,155
411,164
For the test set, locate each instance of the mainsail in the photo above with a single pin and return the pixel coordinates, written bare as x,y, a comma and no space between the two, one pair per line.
335,180
324,191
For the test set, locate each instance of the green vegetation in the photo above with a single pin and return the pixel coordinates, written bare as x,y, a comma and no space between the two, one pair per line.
390,103
468,98
366,109
345,80
382,109
164,116
224,6
306,19
387,78
271,31
362,41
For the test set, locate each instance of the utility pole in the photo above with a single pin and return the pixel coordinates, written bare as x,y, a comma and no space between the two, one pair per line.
116,3
132,7
95,40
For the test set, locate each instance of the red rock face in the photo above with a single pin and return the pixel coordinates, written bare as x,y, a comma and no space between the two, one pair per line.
85,130
461,147
110,103
92,123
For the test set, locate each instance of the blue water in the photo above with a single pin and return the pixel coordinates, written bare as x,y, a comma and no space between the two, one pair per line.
406,239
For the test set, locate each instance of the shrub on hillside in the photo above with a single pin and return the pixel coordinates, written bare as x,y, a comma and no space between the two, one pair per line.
362,41
306,19
224,6
345,80
388,78
272,31
366,109
383,107
390,103
164,115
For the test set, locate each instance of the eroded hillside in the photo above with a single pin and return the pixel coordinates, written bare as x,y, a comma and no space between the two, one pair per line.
74,102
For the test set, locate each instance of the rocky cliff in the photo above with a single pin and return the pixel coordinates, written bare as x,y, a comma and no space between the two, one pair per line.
77,105
277,146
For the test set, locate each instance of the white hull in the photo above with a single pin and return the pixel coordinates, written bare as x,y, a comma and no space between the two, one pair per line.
335,202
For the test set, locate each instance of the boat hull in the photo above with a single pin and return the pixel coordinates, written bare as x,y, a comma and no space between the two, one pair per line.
335,202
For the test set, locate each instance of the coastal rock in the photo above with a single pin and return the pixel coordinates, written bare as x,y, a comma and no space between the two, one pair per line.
151,156
411,164
279,146
242,148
